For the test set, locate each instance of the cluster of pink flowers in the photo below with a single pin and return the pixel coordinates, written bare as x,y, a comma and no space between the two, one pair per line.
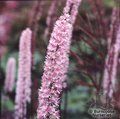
10,75
23,88
55,69
56,65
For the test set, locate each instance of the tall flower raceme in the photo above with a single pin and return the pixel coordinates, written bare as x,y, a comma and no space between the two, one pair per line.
10,75
110,64
23,88
55,69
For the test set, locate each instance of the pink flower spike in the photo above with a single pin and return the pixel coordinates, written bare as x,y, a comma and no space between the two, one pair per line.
10,75
55,69
56,65
23,88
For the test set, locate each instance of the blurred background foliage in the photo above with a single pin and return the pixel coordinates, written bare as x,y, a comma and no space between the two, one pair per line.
88,51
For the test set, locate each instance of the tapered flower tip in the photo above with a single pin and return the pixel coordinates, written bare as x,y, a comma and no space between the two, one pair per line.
26,34
25,39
